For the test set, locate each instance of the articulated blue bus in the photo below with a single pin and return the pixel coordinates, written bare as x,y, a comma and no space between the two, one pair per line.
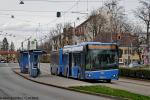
87,61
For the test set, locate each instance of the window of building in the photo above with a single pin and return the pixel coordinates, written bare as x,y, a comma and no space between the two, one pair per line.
120,60
125,51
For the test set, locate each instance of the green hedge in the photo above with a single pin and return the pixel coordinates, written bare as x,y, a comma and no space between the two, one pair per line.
135,73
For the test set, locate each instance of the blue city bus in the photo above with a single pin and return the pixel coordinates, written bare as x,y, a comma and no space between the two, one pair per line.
87,61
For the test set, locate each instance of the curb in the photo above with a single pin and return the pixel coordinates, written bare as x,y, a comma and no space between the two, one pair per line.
70,89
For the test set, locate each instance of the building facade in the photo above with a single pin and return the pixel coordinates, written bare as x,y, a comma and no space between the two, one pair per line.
60,40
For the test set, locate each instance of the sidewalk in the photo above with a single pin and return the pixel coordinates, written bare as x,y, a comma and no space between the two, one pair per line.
135,81
52,80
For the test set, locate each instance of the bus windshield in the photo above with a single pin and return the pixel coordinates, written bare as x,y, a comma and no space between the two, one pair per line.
101,59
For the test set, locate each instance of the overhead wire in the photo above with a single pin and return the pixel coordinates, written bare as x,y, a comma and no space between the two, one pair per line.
63,13
66,1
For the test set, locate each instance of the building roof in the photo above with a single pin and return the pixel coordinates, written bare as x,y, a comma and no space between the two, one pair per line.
8,52
123,39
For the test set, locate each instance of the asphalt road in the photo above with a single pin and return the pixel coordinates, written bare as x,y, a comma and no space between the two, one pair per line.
12,85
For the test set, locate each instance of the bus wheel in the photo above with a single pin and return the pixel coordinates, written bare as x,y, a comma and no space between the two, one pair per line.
52,71
67,73
108,80
79,76
56,73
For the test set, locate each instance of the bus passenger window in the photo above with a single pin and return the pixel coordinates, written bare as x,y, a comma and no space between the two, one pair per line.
77,59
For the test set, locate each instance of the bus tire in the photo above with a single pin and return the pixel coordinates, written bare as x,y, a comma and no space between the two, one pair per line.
108,80
56,73
52,71
79,76
67,73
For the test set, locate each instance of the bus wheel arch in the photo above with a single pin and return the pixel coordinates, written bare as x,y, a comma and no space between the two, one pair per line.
58,72
51,71
79,75
67,72
108,80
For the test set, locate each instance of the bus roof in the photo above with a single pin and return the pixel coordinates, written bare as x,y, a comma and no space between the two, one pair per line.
90,43
97,43
72,48
79,47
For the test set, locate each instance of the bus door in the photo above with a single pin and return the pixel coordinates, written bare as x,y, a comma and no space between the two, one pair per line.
70,63
82,65
65,63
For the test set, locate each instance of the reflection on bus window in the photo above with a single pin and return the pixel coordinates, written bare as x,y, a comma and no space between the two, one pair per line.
101,59
77,59
35,62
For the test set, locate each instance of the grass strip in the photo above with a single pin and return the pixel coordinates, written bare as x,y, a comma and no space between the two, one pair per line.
112,92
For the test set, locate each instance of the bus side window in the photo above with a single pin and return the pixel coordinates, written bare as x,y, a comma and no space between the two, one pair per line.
77,58
82,58
35,63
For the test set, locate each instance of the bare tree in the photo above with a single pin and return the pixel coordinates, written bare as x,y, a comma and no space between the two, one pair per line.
59,28
138,30
55,34
124,26
143,13
109,19
97,22
117,19
67,25
139,40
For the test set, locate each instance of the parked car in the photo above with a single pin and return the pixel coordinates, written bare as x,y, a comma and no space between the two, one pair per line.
134,64
2,61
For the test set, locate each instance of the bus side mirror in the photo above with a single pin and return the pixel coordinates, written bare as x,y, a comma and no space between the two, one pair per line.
120,53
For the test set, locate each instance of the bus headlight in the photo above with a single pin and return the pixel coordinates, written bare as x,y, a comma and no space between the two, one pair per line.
114,76
88,75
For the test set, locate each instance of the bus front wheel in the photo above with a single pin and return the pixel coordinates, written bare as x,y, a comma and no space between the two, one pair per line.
52,71
58,73
79,76
108,80
67,73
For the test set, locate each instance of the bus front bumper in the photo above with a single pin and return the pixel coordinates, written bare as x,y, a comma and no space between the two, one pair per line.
102,74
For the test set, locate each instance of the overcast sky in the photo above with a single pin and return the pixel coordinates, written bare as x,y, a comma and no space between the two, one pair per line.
35,17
